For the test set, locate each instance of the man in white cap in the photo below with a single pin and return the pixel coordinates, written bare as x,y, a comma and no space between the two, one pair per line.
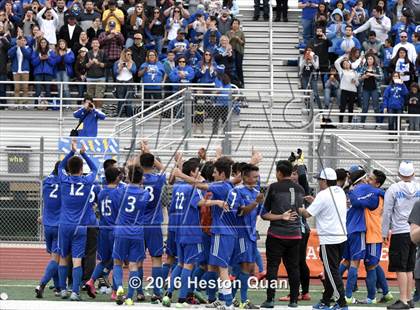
398,204
329,208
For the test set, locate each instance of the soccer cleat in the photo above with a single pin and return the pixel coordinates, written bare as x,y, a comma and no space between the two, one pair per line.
386,298
141,297
57,293
284,298
64,294
305,296
120,296
338,307
411,303
75,297
224,307
129,302
368,301
155,299
39,291
200,297
113,295
351,300
267,304
236,303
292,305
320,306
214,304
248,305
191,300
398,305
166,301
90,288
182,305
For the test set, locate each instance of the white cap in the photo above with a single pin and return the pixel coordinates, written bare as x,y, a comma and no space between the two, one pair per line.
328,174
406,169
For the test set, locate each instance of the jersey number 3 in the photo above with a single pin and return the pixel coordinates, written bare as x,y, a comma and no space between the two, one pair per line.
131,201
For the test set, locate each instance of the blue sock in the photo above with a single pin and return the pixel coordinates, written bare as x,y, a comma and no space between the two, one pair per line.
371,283
140,289
185,275
205,278
243,277
77,278
259,262
236,271
228,298
175,274
50,270
380,276
98,271
342,269
132,274
197,275
157,280
118,275
165,270
351,281
62,277
211,291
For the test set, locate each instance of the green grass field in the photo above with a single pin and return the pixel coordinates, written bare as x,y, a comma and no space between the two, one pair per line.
24,290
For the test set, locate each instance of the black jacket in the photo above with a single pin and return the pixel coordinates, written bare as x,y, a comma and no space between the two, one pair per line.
65,35
413,103
320,48
4,47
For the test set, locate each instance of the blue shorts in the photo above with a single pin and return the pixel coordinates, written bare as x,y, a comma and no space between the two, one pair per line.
51,238
171,247
206,249
128,249
245,251
105,244
72,240
355,246
190,253
373,254
222,248
153,238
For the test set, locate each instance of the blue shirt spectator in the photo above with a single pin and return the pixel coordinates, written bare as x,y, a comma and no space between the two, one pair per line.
89,117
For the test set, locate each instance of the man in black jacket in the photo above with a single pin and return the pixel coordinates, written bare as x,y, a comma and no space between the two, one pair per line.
70,32
139,53
320,45
4,47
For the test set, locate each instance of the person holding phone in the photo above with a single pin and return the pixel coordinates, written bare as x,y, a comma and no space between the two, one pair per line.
308,72
88,116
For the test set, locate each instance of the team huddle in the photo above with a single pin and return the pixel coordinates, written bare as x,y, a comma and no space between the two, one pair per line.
212,235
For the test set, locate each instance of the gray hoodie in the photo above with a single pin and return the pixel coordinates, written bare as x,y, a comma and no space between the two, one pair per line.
398,203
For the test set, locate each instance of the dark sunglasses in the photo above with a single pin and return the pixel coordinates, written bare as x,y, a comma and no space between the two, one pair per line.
138,38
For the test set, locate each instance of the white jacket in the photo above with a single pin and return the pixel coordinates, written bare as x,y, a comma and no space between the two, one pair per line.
411,51
381,29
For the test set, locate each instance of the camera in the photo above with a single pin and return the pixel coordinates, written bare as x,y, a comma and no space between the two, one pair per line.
124,64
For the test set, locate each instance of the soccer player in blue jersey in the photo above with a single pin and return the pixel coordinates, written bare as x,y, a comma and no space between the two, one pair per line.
361,196
248,202
50,215
223,229
75,194
153,217
109,203
129,233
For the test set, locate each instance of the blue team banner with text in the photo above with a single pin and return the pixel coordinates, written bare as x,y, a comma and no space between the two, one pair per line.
99,149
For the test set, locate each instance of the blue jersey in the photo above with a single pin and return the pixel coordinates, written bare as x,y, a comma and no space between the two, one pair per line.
361,197
89,216
154,183
51,194
223,223
76,193
247,223
189,229
129,222
109,200
181,195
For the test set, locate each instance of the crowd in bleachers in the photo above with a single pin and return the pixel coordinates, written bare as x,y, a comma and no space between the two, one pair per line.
165,41
365,53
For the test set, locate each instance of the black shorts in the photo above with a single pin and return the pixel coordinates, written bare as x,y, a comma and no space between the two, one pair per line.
402,253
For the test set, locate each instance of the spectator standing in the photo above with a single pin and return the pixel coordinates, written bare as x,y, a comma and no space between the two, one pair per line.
348,86
220,108
402,64
224,56
398,204
193,56
70,32
88,116
347,42
4,48
28,23
174,24
83,42
124,71
257,4
64,61
359,15
373,46
403,25
281,10
411,49
224,21
43,62
332,88
206,71
182,73
386,60
47,19
283,200
237,40
198,28
321,16
330,206
95,30
413,105
96,71
414,221
155,30
335,32
371,77
80,70
112,43
179,45
88,15
379,23
319,45
61,11
20,56
308,72
136,23
139,53
394,99
309,10
115,15
416,41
